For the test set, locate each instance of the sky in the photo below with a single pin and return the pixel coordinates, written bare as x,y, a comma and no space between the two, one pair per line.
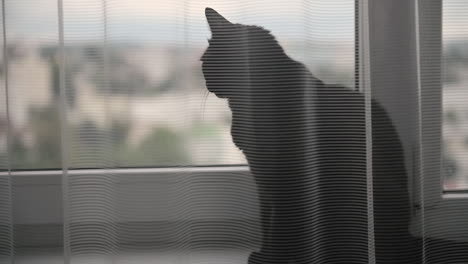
455,20
176,21
179,21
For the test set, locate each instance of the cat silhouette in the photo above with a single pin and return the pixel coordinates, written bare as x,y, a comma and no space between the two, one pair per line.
309,151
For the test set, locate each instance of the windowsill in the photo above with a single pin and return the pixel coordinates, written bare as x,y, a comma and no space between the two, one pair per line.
220,201
445,213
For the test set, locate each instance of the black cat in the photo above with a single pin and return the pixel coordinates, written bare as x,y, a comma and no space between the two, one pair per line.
306,146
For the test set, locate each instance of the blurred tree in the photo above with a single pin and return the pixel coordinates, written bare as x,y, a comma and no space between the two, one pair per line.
45,152
451,117
162,147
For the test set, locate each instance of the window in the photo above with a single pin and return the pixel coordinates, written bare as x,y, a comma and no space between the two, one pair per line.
138,100
135,93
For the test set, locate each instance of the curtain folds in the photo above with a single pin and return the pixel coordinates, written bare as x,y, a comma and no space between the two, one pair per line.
300,132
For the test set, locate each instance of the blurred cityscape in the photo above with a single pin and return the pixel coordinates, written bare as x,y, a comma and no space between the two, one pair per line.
128,100
127,105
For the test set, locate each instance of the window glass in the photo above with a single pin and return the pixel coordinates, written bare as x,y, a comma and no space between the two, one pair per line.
455,94
134,89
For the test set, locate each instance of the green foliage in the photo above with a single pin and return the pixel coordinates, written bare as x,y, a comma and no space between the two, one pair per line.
45,153
163,147
451,117
92,146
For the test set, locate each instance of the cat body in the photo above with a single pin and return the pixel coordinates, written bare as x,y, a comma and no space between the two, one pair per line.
306,146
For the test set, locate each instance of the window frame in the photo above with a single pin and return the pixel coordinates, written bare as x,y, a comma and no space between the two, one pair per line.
406,36
434,205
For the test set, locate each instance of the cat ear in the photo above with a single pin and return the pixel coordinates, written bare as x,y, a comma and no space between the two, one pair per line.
215,20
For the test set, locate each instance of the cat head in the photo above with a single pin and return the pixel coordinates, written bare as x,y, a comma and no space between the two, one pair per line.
236,55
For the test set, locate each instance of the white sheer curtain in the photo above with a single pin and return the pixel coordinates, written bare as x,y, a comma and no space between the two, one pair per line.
112,150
